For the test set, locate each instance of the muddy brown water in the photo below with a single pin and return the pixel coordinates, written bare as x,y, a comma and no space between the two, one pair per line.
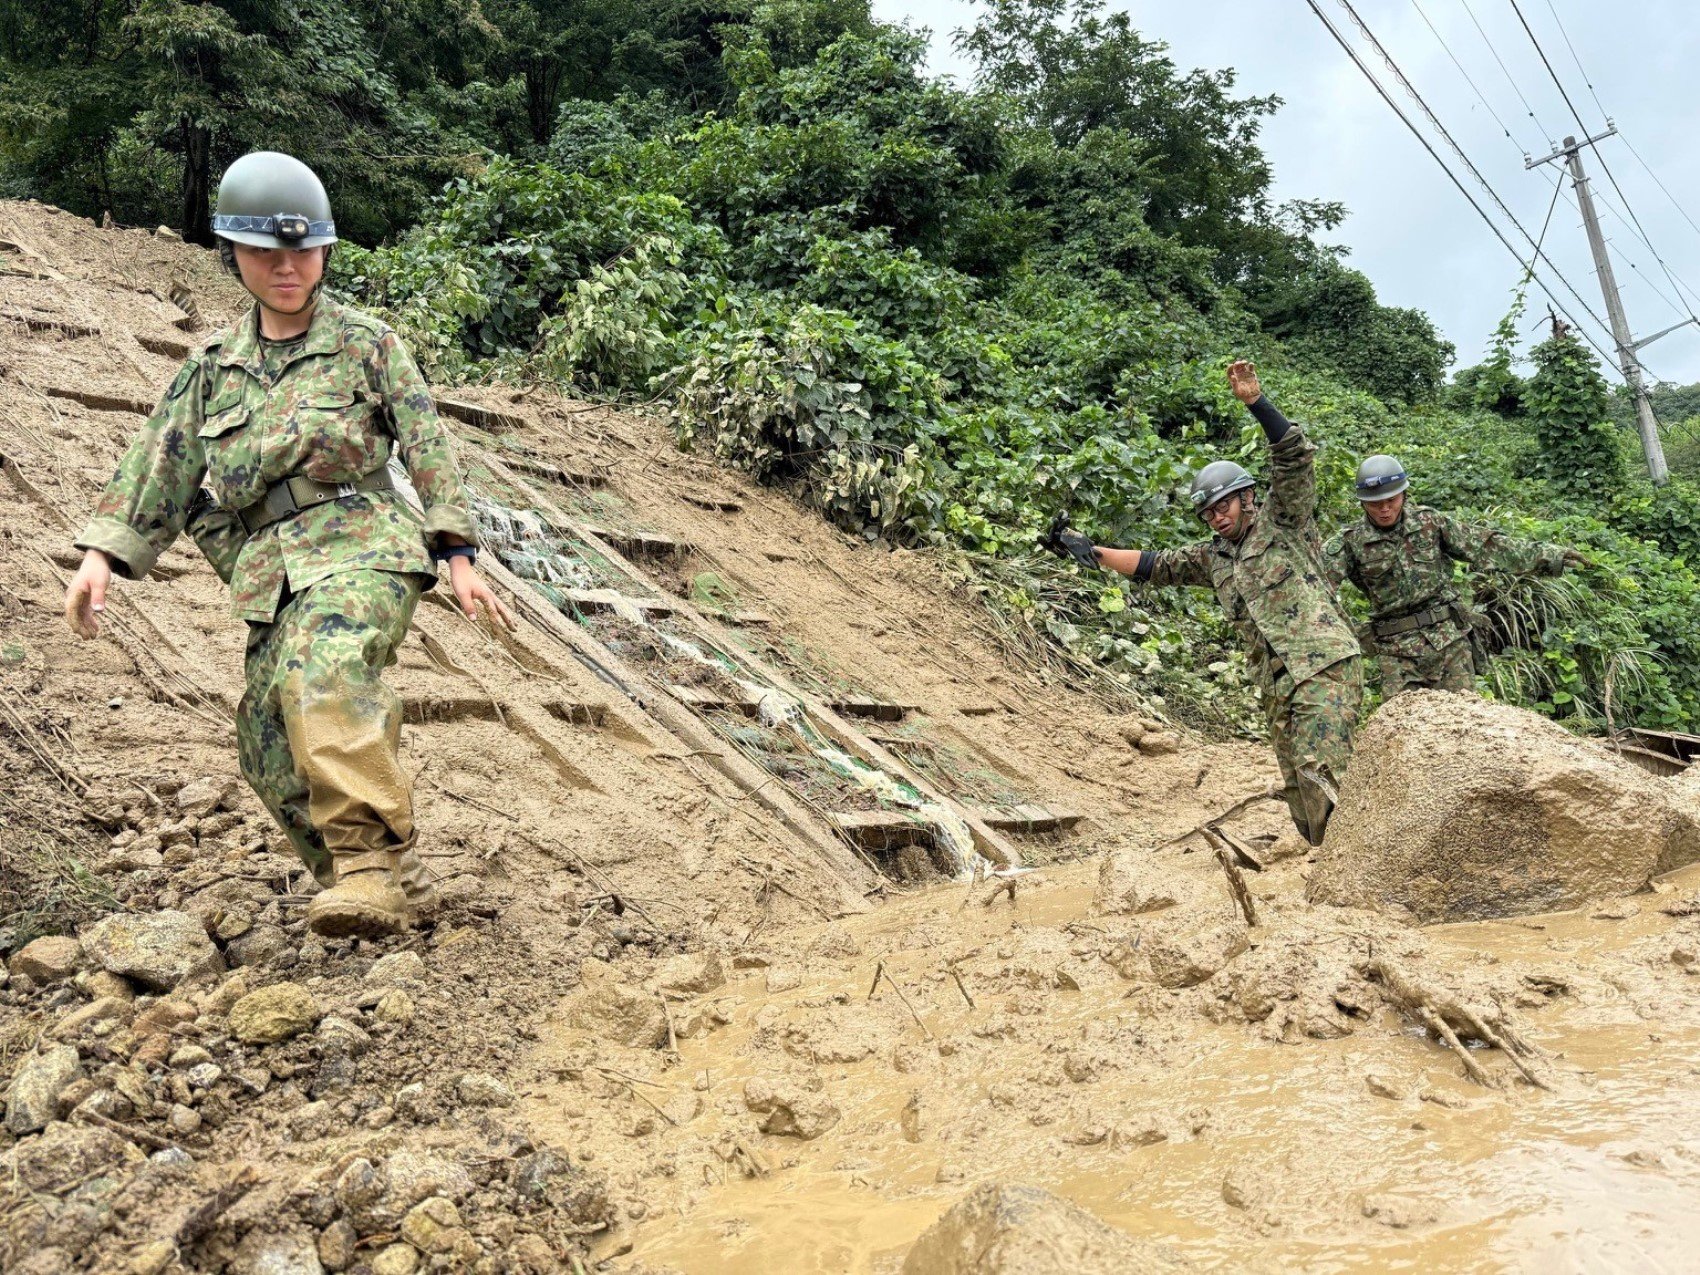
1602,1174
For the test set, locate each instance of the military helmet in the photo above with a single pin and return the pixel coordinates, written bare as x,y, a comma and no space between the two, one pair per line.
271,200
1218,479
1380,478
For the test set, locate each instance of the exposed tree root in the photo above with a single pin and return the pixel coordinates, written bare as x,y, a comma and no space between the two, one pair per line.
1448,1017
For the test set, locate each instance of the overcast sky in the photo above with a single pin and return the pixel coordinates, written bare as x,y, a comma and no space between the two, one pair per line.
1409,229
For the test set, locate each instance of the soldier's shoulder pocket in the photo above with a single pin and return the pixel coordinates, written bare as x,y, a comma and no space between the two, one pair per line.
220,419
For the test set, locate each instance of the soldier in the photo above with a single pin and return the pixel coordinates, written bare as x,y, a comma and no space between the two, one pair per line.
1266,568
1400,557
291,417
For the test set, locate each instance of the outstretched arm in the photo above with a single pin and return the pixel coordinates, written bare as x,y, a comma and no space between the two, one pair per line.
1491,548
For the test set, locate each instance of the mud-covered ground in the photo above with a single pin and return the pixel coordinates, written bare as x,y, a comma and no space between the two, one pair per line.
665,1019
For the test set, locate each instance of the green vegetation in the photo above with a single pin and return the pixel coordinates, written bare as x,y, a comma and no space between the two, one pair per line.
939,314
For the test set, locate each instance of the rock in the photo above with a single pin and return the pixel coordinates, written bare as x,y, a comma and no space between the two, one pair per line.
1457,809
394,1007
609,1007
200,797
152,1259
1382,1087
188,1056
164,1014
33,1099
1160,743
340,1038
139,856
397,967
1020,1230
156,949
273,1014
183,1120
101,984
429,1226
336,1245
66,1155
1181,955
695,973
396,1259
407,1178
311,1121
791,1110
1398,1211
784,978
1131,881
259,945
108,1009
205,1075
264,1252
49,959
476,1089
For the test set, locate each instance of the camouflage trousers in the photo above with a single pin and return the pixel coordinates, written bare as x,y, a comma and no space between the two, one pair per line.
1311,727
317,731
1437,659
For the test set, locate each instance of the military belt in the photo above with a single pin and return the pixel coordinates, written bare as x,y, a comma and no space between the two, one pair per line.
292,495
1416,620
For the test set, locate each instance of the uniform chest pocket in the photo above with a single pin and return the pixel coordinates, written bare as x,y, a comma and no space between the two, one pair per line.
1378,564
339,434
233,456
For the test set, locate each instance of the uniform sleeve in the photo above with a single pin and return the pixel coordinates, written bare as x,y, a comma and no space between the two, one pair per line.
1292,479
1337,559
424,445
1190,565
1491,549
145,506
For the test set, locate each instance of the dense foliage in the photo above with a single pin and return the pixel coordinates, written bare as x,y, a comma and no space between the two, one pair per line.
938,314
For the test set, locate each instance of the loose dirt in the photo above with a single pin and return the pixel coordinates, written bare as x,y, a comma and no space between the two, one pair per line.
668,1018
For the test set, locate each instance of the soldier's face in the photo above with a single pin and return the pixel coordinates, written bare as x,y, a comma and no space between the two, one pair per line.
281,278
1384,513
1231,516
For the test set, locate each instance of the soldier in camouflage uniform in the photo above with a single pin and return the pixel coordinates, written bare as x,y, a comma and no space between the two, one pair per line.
290,418
1400,557
1266,568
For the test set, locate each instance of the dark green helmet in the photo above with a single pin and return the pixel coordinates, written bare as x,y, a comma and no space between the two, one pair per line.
1380,478
1218,479
272,200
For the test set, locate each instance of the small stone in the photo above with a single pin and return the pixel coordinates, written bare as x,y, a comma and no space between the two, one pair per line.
394,1007
273,1014
478,1089
613,1009
397,967
1382,1087
108,1010
1398,1211
206,1075
790,1110
152,1259
695,973
427,1225
117,701
183,1120
260,944
189,1056
411,1102
49,959
33,1099
164,1014
336,1245
396,1259
311,1121
267,1252
200,797
101,984
157,949
1182,955
1615,910
1159,743
341,1038
784,978
378,1118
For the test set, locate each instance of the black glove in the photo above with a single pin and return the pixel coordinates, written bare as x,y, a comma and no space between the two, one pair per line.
1068,543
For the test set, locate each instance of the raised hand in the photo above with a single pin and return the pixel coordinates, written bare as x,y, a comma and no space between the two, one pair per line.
1242,378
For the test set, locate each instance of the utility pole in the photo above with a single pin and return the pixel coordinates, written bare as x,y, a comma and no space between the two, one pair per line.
1627,345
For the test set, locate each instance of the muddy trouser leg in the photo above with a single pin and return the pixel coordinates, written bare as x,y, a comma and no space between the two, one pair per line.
1319,718
322,730
1438,659
1453,667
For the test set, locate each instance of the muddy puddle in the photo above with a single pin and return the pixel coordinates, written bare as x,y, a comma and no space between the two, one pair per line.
1143,1105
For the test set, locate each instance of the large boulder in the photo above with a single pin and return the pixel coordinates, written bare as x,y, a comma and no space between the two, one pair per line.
1457,809
156,949
1021,1230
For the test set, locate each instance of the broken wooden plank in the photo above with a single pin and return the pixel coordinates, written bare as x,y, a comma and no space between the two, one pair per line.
878,710
713,502
490,418
554,473
1653,763
704,699
47,323
164,346
423,710
883,829
640,544
602,601
101,402
1034,820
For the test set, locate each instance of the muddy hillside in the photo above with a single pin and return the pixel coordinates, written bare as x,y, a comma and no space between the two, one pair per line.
787,924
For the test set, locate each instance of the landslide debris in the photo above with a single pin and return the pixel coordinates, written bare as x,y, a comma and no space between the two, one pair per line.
1457,809
1022,1230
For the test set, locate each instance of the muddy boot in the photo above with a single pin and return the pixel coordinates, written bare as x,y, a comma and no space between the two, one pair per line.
365,902
415,879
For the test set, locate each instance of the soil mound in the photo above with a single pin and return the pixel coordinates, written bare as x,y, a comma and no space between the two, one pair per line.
1457,809
1002,1230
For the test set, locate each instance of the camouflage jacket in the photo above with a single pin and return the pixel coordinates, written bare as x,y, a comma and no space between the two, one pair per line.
1407,567
345,397
1272,584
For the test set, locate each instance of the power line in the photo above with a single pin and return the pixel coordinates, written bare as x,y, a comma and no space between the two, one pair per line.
1474,172
1513,83
1481,212
1480,96
1661,185
1598,153
1578,61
